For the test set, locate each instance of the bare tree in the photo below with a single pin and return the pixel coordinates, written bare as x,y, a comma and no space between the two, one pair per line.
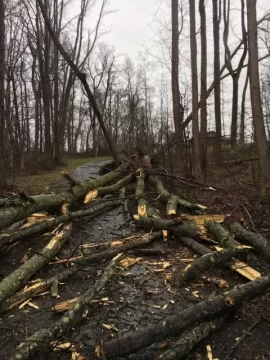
243,110
178,111
260,135
194,72
203,102
235,73
216,23
2,96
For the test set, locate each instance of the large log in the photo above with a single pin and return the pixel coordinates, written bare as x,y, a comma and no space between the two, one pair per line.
110,189
46,225
240,267
176,324
43,285
18,278
255,239
43,338
182,346
172,200
198,266
221,234
179,228
15,211
141,202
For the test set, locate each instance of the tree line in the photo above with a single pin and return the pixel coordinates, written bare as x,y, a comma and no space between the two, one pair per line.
45,111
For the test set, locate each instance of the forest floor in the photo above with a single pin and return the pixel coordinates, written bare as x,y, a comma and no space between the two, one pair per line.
141,295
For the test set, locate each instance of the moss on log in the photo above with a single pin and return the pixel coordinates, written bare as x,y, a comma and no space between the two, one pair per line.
141,202
220,234
15,211
18,278
172,200
255,239
43,285
198,266
194,245
49,224
181,347
42,339
183,228
184,320
110,189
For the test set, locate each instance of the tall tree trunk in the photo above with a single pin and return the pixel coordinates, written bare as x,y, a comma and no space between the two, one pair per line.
177,106
234,121
235,74
243,110
195,121
58,153
216,22
47,96
3,174
203,130
260,134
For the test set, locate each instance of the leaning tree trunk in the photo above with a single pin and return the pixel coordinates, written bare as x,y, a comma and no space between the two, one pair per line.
82,77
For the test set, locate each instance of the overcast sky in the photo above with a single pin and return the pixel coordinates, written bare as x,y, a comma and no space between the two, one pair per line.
133,22
130,25
133,25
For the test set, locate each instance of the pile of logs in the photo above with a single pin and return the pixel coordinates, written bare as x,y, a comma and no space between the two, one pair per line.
190,223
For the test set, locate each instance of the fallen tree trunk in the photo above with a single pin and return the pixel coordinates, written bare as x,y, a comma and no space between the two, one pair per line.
141,202
172,200
257,240
182,346
179,228
194,245
42,339
49,224
18,278
239,266
220,234
110,189
198,266
18,210
175,325
78,264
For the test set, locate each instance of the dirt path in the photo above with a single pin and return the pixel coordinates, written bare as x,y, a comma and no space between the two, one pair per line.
139,297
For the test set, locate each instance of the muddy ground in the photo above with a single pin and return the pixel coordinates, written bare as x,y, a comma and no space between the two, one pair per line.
141,295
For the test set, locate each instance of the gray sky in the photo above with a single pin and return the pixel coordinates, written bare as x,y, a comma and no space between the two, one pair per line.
134,24
130,25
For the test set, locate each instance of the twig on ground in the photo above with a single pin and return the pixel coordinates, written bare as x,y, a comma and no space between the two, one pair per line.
241,339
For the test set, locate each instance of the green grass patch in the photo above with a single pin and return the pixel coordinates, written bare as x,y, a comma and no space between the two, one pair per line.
41,181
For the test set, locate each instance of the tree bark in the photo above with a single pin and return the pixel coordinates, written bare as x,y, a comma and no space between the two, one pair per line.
243,110
216,22
182,228
198,266
203,102
176,324
44,337
16,280
256,240
260,134
177,105
194,76
3,159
